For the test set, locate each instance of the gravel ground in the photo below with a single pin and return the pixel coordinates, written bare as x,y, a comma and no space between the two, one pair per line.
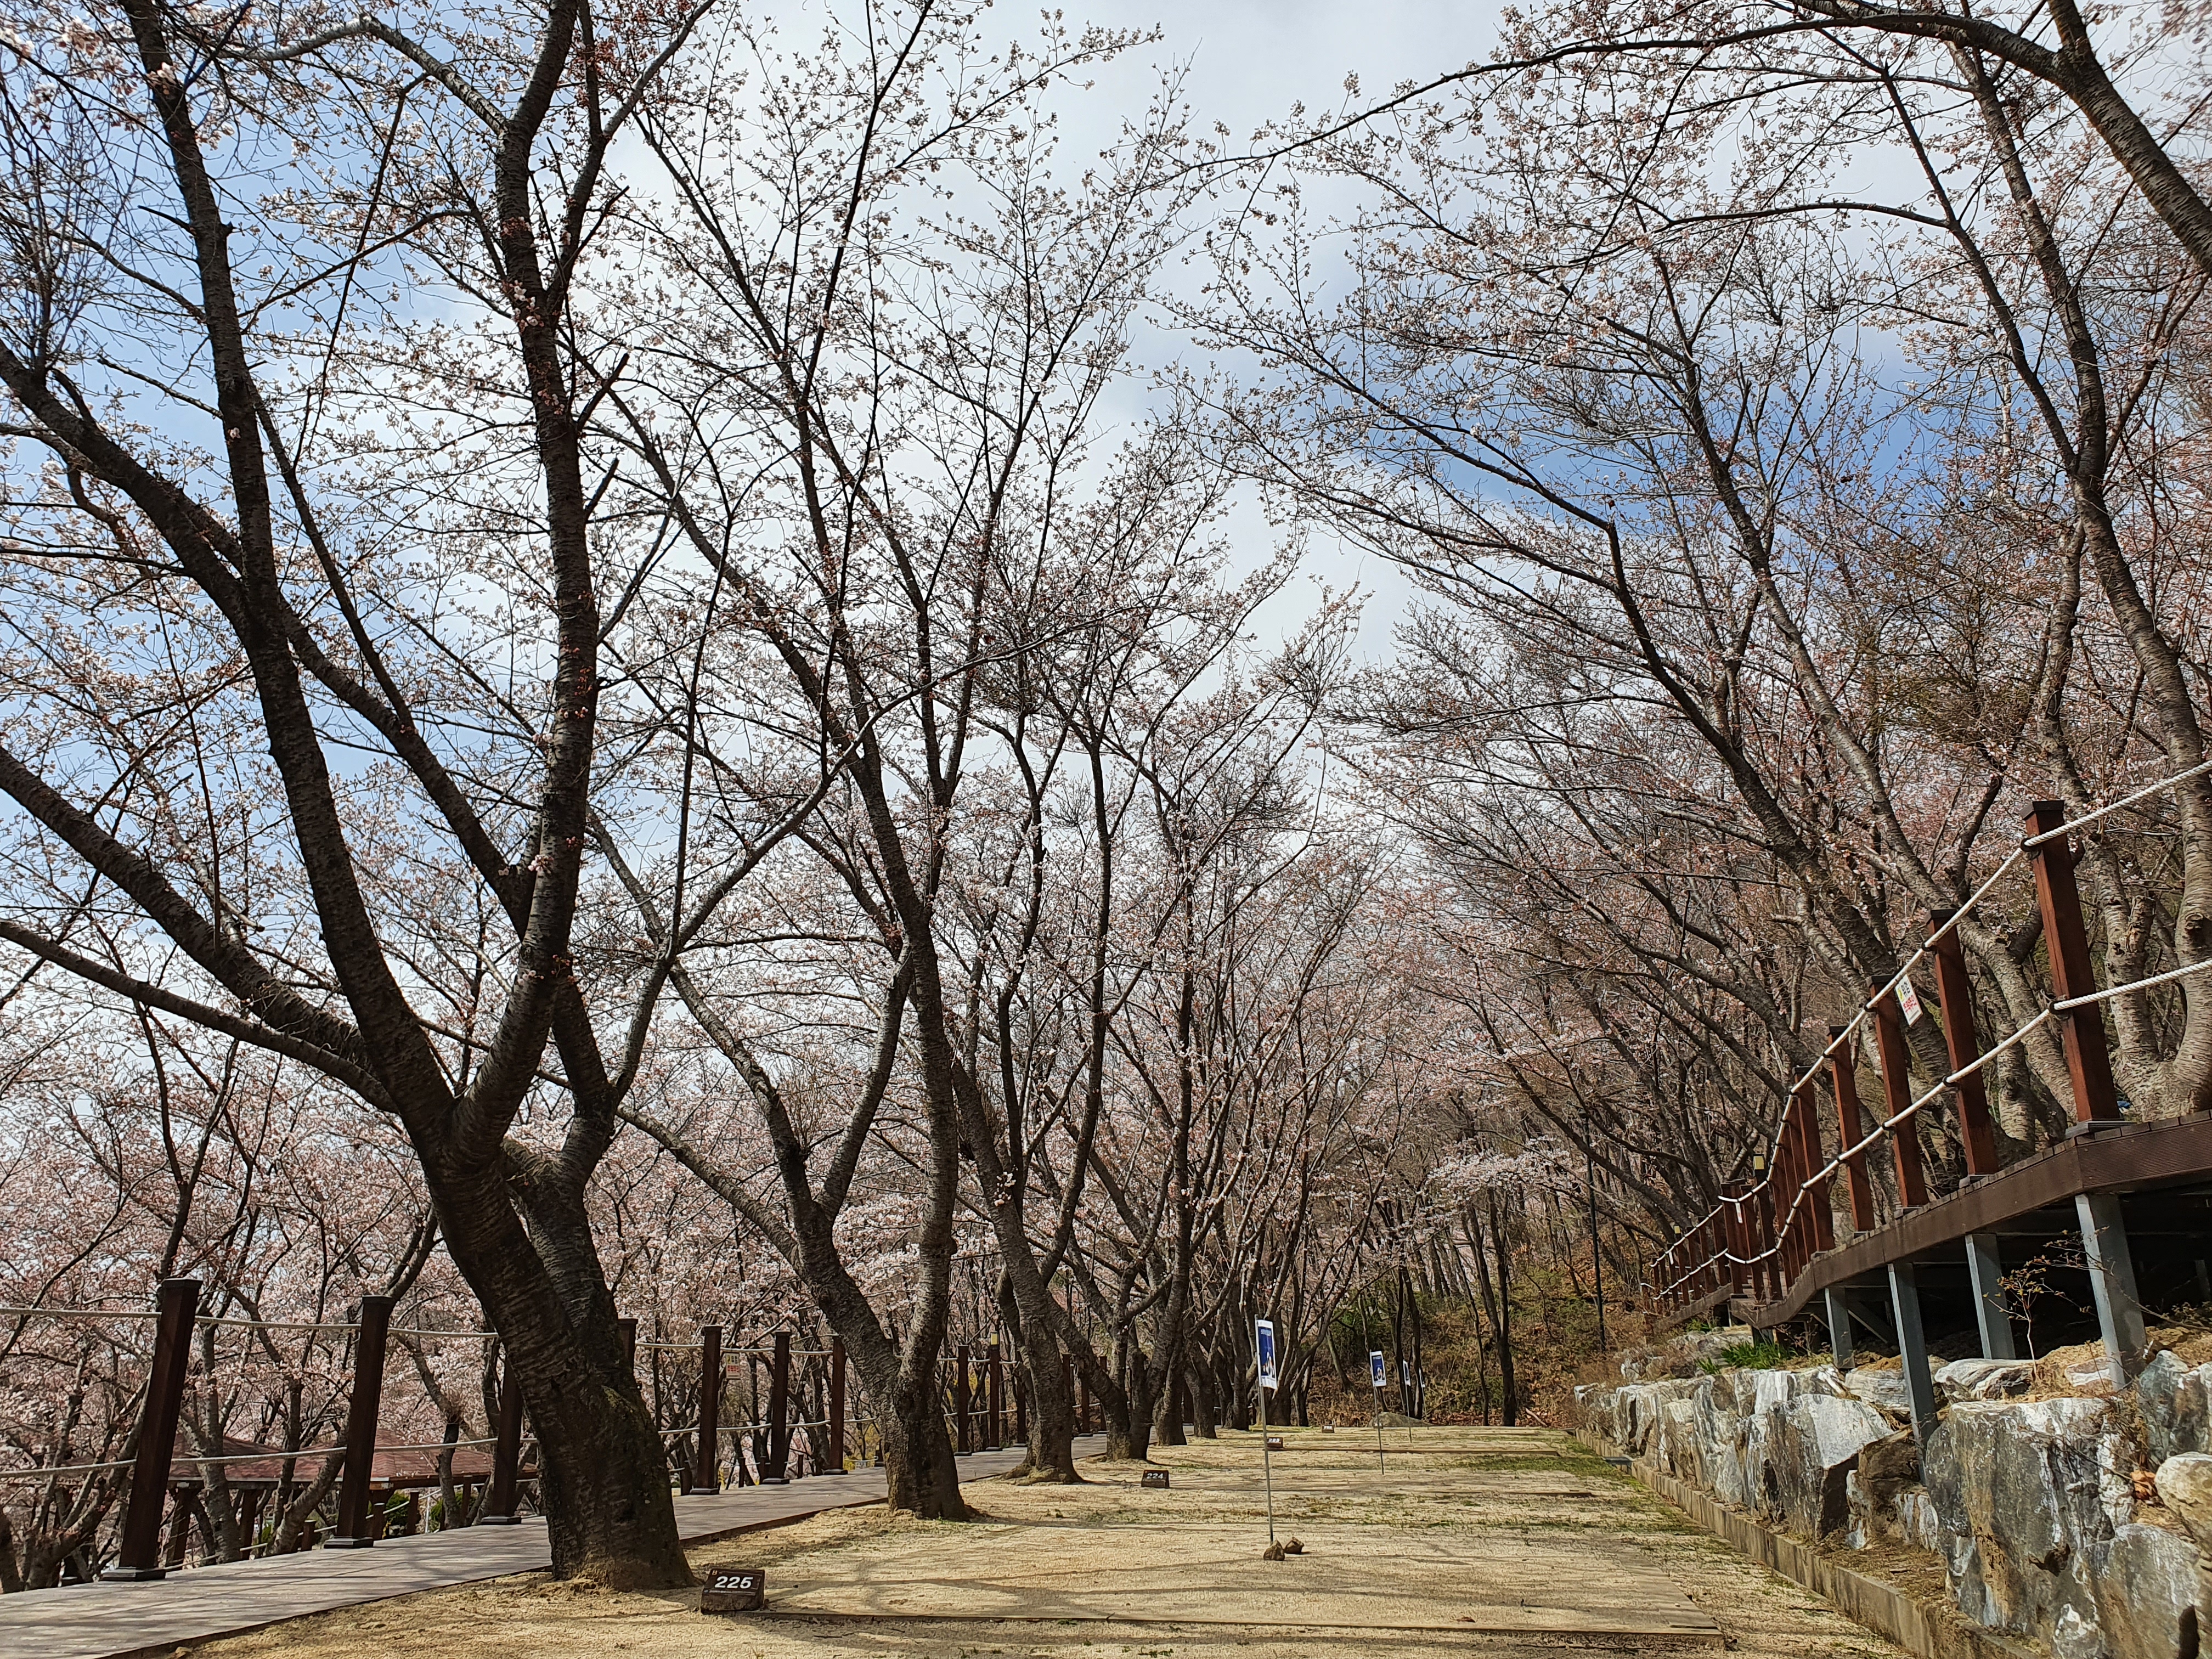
1472,1541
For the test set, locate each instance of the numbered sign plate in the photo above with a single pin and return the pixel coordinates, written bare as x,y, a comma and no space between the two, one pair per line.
1157,1477
732,1589
1274,1443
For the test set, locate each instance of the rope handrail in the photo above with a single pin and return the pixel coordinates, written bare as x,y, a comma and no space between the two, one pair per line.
1889,1125
2137,985
2148,790
229,1323
55,1473
1734,1203
304,1454
78,1313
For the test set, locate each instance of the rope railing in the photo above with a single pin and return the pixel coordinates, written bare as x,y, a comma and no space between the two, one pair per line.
88,1314
279,1454
159,1467
1750,1207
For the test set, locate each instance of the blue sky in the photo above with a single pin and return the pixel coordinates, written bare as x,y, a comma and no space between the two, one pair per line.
1246,62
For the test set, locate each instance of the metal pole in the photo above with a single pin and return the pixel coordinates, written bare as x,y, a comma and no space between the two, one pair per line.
1912,1344
1839,1327
356,1530
2112,1283
1985,1272
1267,1464
1377,1386
178,1301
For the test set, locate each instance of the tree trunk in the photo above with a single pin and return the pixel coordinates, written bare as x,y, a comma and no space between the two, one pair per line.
919,1473
1051,1408
1493,1304
1167,1412
1127,1405
1202,1415
603,1479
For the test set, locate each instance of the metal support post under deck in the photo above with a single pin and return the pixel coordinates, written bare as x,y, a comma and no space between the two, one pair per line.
1986,1268
2112,1280
1913,1347
1839,1327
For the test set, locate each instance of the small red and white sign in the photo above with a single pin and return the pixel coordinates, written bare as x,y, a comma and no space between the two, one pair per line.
1909,999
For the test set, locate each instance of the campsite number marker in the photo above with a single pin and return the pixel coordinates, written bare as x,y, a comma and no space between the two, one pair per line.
732,1589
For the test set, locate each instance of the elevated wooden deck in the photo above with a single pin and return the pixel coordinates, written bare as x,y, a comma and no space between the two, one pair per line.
2124,1158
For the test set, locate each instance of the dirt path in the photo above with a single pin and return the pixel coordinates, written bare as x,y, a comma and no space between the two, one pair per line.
1474,1539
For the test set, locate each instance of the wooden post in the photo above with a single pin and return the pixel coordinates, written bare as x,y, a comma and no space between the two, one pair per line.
994,1421
2081,1030
1850,1128
181,1526
706,1466
1808,1126
1789,1214
1897,1094
779,1414
1955,999
960,1401
1763,1276
834,1462
355,1528
1733,1235
505,1456
1789,1201
177,1301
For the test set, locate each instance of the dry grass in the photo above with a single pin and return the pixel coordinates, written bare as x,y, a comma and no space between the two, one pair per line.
1441,1550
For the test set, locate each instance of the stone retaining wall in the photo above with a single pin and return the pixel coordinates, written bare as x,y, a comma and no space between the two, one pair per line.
2045,1514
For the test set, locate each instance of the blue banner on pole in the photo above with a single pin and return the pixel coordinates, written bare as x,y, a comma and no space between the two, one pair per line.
1264,1332
1375,1366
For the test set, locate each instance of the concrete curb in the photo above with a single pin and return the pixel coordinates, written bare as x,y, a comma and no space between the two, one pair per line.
1931,1630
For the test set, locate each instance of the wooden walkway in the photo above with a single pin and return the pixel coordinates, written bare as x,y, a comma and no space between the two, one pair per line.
2028,1204
118,1621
